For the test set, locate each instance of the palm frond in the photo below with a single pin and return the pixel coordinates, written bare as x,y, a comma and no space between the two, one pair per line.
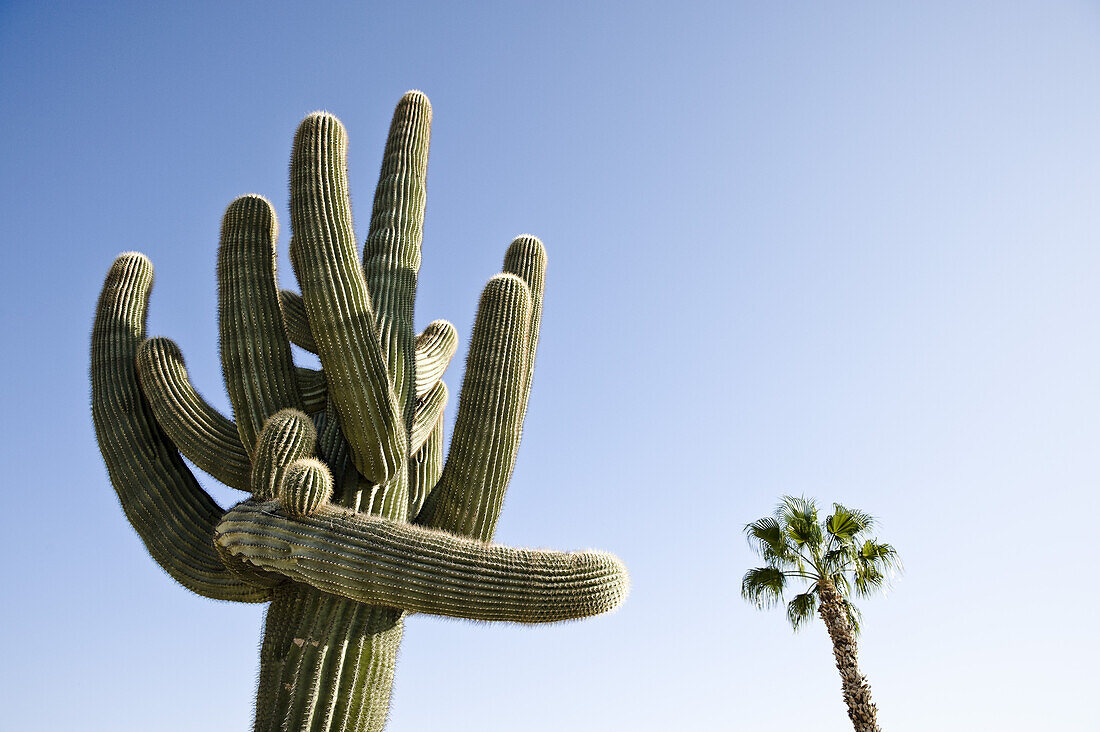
846,524
868,578
799,517
881,553
800,610
876,563
841,583
767,539
763,586
838,560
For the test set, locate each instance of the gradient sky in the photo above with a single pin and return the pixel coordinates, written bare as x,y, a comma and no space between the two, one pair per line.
847,250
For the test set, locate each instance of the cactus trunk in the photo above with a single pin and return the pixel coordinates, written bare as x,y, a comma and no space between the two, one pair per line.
326,664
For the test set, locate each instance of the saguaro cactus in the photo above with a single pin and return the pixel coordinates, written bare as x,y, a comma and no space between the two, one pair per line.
354,517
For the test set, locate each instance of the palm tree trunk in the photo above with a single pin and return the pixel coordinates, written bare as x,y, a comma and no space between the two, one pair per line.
857,692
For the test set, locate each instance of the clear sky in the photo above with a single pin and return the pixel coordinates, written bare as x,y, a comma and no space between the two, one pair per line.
842,249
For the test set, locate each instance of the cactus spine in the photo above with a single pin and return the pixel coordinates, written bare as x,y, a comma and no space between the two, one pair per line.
354,517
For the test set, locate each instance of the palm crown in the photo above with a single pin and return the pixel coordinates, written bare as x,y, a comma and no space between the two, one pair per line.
835,552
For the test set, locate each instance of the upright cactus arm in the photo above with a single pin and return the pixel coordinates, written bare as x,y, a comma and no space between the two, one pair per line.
425,467
526,259
338,305
201,433
172,514
256,358
435,347
297,322
470,493
314,389
396,564
429,409
390,499
391,254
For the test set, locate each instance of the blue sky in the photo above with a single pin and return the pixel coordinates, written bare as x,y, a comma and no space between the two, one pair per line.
844,249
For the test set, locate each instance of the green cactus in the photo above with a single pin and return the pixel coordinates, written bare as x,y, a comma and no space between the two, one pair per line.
354,518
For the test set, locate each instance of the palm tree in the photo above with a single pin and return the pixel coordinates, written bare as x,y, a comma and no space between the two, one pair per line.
833,556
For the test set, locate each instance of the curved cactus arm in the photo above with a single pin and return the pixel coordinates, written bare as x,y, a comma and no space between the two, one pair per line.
435,347
391,255
297,322
199,431
256,358
526,258
428,410
425,467
337,302
314,389
394,564
172,514
470,493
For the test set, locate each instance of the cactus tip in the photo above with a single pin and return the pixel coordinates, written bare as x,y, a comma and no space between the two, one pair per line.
319,118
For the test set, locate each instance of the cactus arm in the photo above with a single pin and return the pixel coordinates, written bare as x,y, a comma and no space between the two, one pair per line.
435,346
306,485
395,564
428,410
287,436
297,322
256,358
389,499
314,389
333,449
425,467
199,431
526,258
391,255
470,493
337,302
172,514
205,437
